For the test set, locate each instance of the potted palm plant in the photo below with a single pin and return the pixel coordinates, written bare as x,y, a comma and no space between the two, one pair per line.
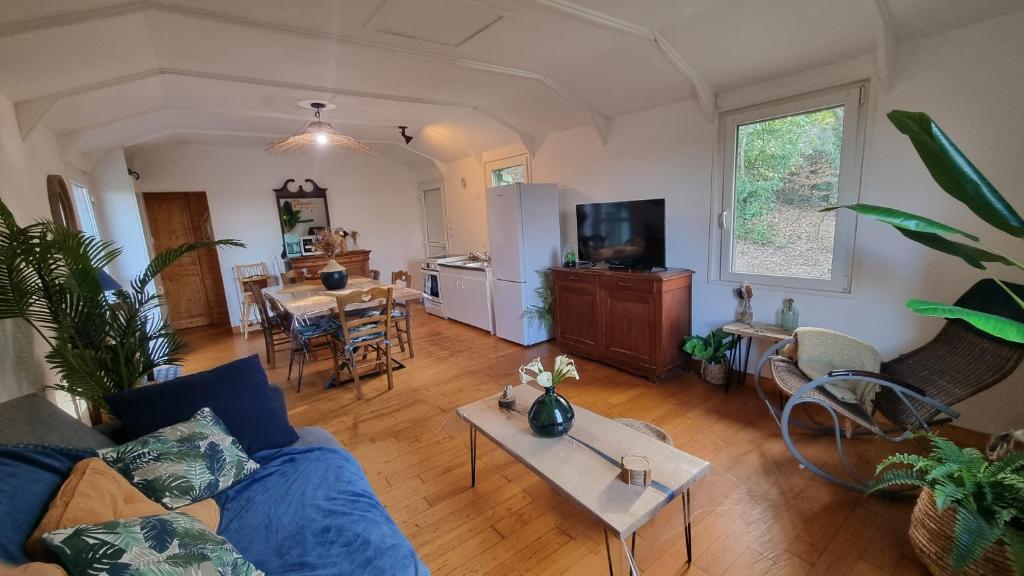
969,517
711,350
100,341
959,178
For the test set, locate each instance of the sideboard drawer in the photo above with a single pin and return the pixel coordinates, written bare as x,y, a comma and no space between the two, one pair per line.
645,285
570,277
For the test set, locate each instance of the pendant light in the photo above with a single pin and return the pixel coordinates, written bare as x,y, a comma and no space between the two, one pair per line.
316,134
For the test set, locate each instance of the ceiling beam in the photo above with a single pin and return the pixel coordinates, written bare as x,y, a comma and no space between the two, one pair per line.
35,110
597,120
30,114
705,96
886,43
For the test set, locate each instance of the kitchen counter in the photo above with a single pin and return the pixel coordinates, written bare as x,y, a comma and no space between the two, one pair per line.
467,264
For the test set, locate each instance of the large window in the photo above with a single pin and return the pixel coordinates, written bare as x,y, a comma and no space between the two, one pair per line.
508,170
783,163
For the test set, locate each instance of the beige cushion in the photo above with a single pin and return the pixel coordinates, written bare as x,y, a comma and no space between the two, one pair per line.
33,569
820,351
93,493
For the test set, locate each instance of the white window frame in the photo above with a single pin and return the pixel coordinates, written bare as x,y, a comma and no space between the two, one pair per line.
516,160
85,204
854,98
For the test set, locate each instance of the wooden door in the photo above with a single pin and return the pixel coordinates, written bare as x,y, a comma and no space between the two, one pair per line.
576,310
192,287
630,318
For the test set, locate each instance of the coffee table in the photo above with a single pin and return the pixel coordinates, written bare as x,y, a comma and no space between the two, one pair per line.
584,465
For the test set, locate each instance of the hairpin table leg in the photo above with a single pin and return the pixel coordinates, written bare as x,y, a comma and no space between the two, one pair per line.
687,530
633,570
472,455
608,550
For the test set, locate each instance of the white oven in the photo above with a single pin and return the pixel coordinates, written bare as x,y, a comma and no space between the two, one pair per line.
433,301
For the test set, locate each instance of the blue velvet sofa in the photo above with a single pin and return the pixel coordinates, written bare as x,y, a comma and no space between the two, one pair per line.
308,510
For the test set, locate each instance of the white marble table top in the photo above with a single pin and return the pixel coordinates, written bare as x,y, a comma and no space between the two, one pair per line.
579,471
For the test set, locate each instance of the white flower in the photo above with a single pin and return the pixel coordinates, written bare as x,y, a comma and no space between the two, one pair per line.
565,367
544,379
523,376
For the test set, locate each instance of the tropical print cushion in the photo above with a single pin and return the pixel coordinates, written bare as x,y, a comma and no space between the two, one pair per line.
183,463
164,545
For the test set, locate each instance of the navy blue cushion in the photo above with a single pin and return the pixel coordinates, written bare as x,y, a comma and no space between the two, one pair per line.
30,477
238,393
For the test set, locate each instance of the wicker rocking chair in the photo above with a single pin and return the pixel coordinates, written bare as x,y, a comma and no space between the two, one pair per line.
916,389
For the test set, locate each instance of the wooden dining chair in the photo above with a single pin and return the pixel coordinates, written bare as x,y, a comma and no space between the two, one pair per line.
245,273
366,326
275,324
402,314
374,275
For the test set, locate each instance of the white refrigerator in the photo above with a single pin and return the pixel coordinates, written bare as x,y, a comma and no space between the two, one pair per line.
525,239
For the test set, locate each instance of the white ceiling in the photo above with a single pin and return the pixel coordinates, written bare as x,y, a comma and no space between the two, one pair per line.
465,75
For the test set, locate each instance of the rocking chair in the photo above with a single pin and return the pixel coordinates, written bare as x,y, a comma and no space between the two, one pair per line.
915,390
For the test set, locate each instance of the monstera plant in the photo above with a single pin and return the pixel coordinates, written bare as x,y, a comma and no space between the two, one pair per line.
959,178
99,341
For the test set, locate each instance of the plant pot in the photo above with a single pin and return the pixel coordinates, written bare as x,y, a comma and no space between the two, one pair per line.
931,535
334,276
717,374
551,415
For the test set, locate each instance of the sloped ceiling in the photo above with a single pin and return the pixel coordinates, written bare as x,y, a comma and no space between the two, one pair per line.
465,75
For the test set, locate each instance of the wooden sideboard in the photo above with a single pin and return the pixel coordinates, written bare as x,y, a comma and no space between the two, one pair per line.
357,262
632,320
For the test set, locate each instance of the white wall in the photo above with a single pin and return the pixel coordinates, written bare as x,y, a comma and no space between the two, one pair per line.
370,194
466,205
962,78
23,170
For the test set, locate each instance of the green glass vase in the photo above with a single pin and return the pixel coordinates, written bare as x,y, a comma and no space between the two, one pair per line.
551,415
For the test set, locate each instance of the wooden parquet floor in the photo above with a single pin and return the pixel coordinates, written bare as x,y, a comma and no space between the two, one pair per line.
757,513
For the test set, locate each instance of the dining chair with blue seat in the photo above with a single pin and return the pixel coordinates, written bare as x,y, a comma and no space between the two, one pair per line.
366,326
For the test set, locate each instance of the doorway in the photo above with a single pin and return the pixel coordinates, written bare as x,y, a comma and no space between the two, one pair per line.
435,220
192,287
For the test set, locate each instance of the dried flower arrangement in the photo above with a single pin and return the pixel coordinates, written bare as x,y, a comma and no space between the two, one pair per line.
332,242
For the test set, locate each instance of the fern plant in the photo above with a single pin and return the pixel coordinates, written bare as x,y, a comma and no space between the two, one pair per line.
49,277
988,495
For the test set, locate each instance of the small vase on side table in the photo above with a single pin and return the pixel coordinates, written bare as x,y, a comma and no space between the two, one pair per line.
551,415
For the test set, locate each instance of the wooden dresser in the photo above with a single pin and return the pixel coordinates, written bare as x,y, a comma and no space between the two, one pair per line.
632,320
357,262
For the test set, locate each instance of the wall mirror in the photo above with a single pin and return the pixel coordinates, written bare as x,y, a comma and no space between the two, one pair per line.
301,210
61,208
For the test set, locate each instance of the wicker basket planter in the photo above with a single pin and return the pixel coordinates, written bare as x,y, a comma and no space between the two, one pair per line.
714,373
931,535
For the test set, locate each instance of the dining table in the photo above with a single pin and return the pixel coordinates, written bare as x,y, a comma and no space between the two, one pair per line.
305,300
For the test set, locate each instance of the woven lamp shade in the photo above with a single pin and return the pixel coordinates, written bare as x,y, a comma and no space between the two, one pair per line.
316,134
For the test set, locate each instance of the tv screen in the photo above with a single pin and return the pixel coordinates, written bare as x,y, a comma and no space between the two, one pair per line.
629,234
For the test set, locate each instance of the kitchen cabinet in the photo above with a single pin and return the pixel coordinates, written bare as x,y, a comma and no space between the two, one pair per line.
632,320
466,293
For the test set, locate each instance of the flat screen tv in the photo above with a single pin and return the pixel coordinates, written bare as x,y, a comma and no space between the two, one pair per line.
622,234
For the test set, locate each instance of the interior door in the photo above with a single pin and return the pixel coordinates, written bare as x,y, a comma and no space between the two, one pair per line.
435,228
192,287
